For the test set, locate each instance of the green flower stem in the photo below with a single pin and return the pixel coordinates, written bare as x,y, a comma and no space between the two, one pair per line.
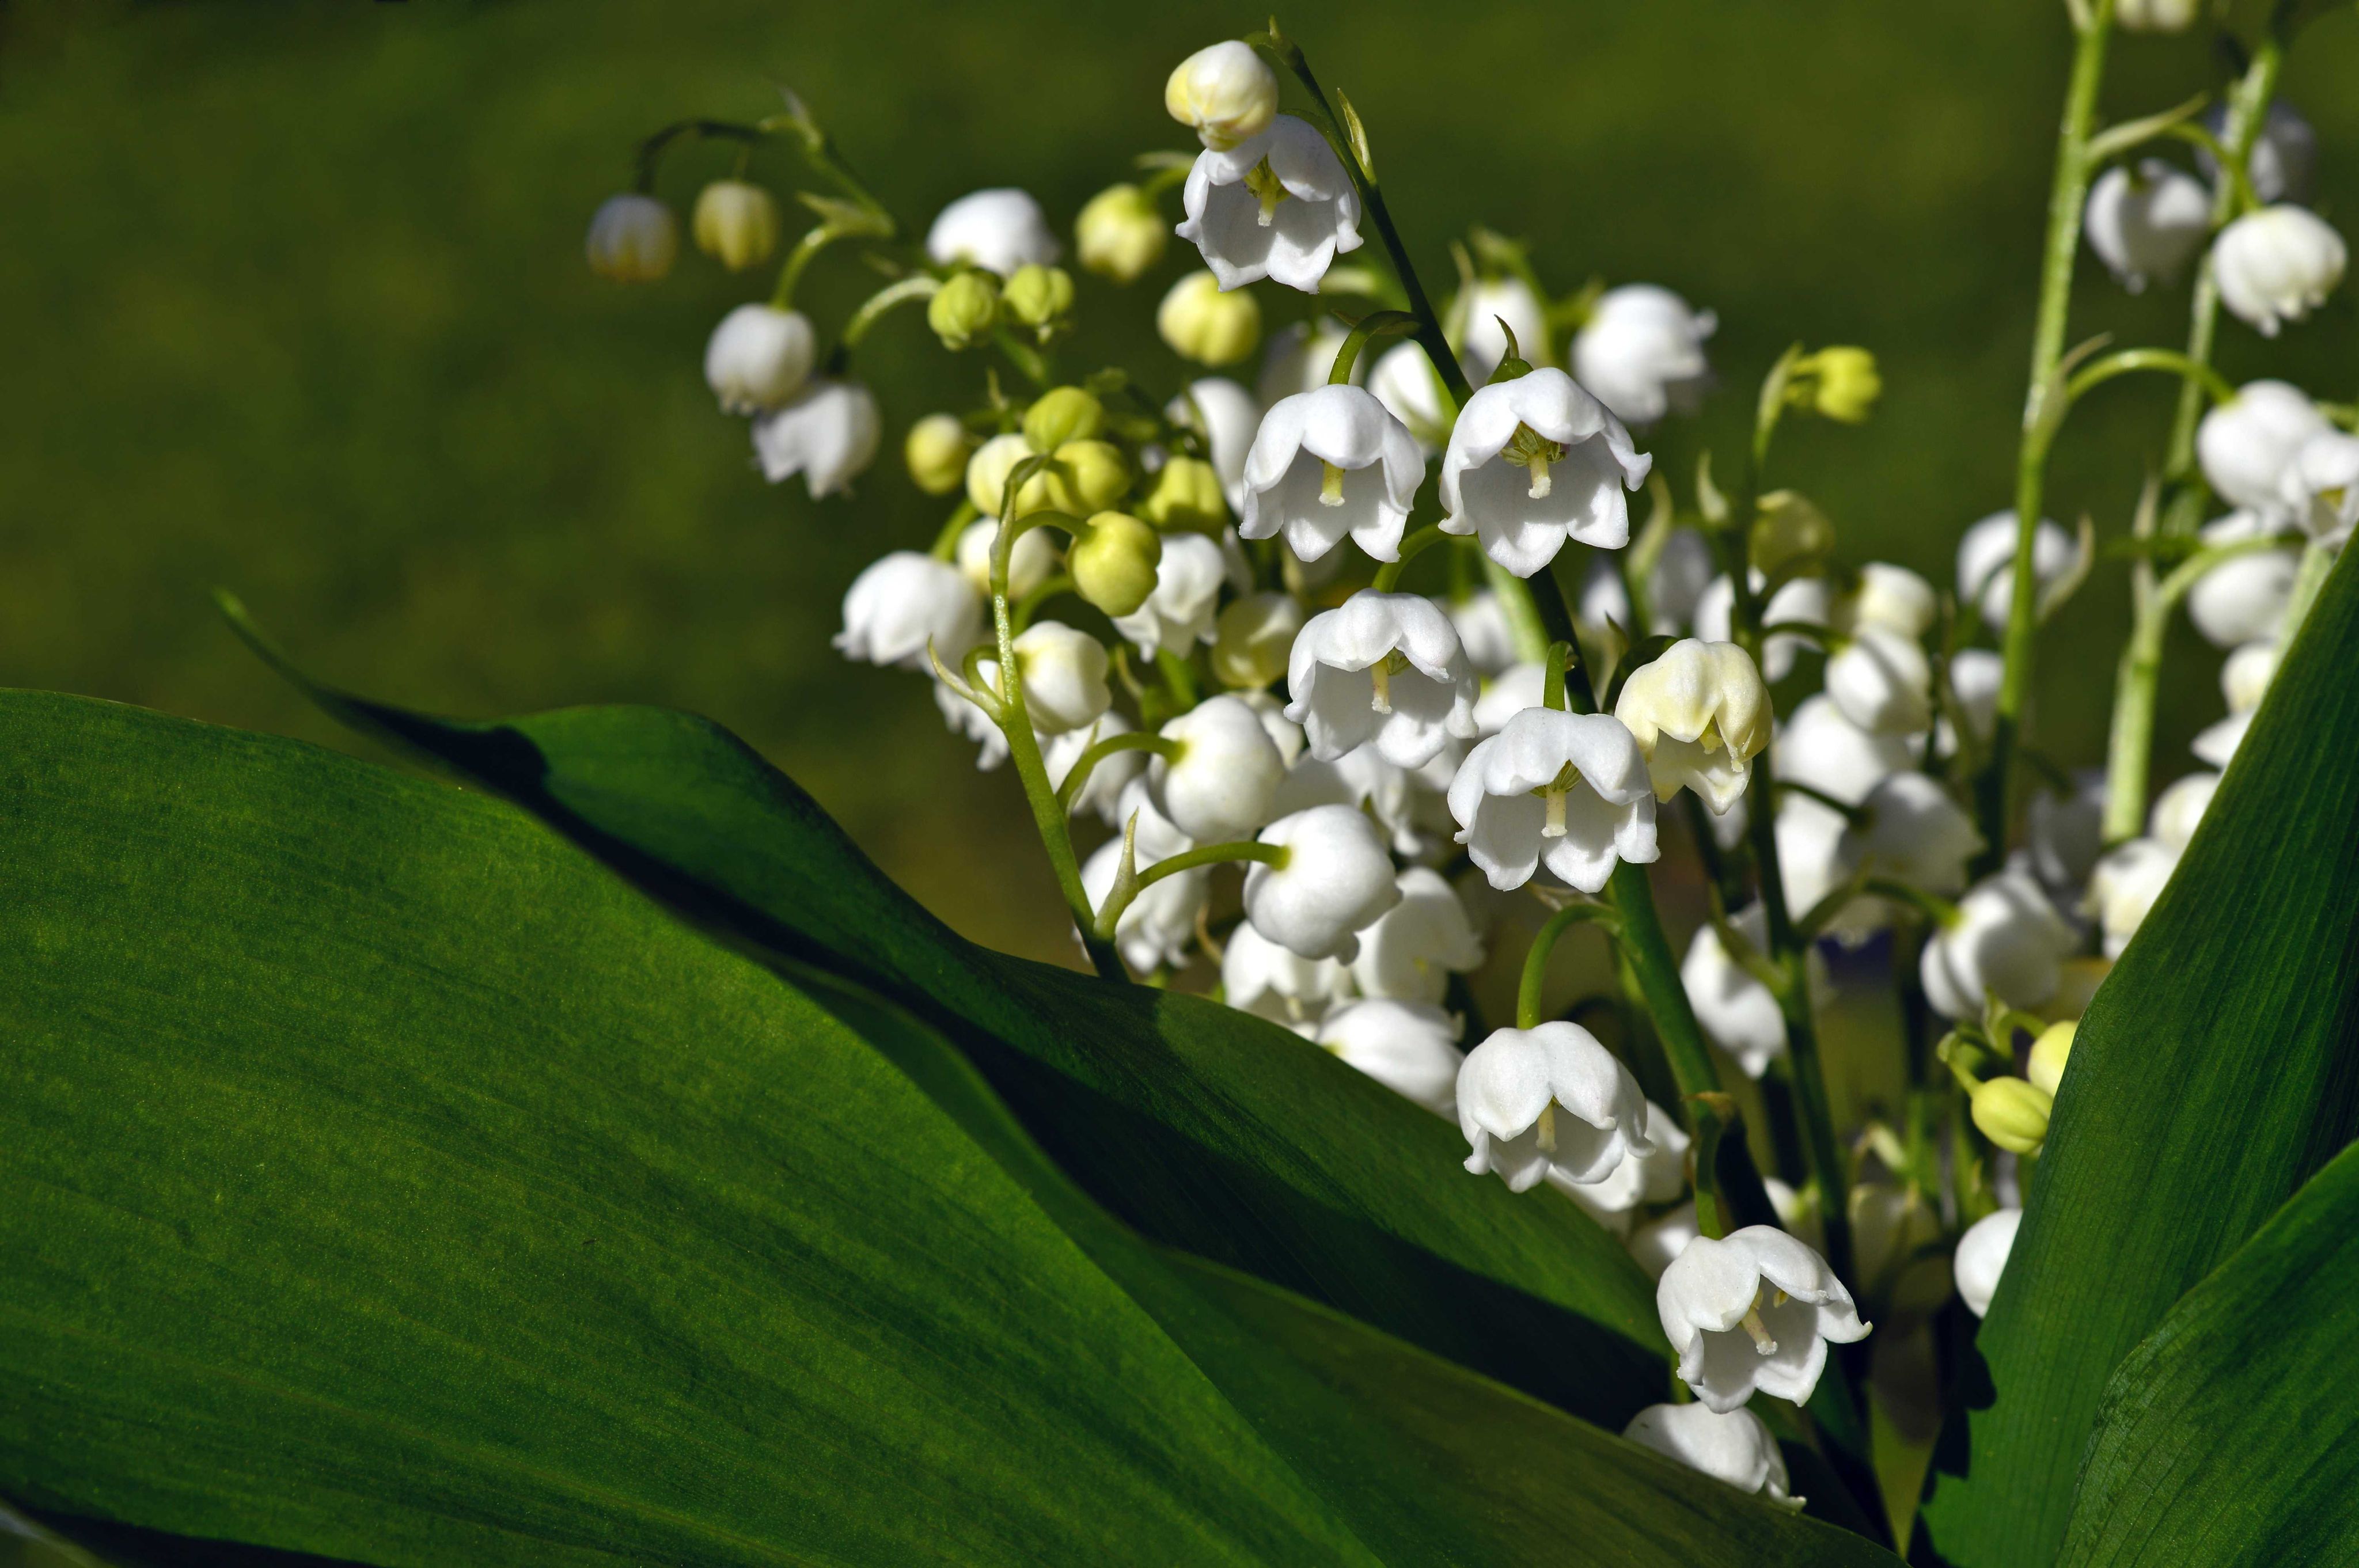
1376,324
1420,540
2317,562
2172,362
2248,107
2137,683
917,287
819,152
652,148
1087,763
1536,958
2067,196
1127,888
1029,605
1552,668
806,251
1715,1117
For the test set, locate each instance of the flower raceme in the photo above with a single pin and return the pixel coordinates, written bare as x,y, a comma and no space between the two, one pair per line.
1383,669
1699,715
1536,462
1567,790
1753,1312
1276,205
1329,463
1533,1101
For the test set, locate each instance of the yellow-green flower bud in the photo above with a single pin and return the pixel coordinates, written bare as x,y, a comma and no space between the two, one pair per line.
1203,324
1084,479
1789,529
1113,560
736,222
1253,637
963,308
1224,93
2013,1114
1187,495
936,452
1839,382
1040,298
2048,1054
1120,234
1063,414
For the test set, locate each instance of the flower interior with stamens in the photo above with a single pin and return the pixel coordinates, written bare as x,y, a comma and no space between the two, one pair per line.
1535,462
1753,1312
1549,1098
1567,790
1381,668
1701,714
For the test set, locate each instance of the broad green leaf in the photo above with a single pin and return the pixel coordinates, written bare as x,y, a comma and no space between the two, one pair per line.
381,1180
1204,1127
2217,1068
388,1183
2230,1436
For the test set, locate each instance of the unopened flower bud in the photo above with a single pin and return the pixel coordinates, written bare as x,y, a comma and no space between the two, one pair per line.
1224,93
963,308
1060,415
1084,479
1203,324
1187,497
936,451
2277,265
1120,234
758,357
2048,1054
988,471
1839,382
736,223
1252,638
1040,298
1789,529
2156,16
2013,1114
632,239
1112,561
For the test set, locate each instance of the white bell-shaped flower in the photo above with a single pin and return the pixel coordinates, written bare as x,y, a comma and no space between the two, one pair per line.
2007,941
1976,675
1276,205
1223,93
1550,1098
1567,789
1482,631
900,602
632,239
1102,794
1406,382
1982,1258
1516,687
2245,674
1682,574
2246,444
1736,1010
1381,668
2321,487
1274,983
1476,325
1986,562
1030,563
1655,1245
2147,225
1654,1177
2123,888
1179,612
1409,1047
758,357
1641,352
1882,681
2284,163
1337,878
1891,597
2245,597
1810,839
2276,265
1156,928
1298,359
1822,750
1221,784
1910,829
828,433
1699,715
1751,1313
998,231
1415,947
2178,810
2216,742
1327,463
1734,1447
1802,598
1535,461
1224,413
1064,675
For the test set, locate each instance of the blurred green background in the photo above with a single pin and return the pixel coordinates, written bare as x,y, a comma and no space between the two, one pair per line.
292,300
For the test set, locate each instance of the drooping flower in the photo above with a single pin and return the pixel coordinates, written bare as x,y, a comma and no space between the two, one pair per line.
1179,614
1910,829
1550,1098
1200,322
1327,463
1223,93
1974,678
1381,668
1882,682
1336,879
1734,1446
1734,1007
1103,792
1119,235
1657,1176
1567,789
1252,638
1227,771
1820,749
1029,562
1415,947
2147,225
1516,687
1476,316
1274,983
736,223
758,357
2123,886
1533,462
1409,1047
1156,927
1406,382
1753,1312
2245,597
632,239
1276,205
1982,1258
1808,599
1482,631
1226,416
902,601
1064,675
1986,562
1891,597
2246,444
827,433
1641,352
2007,942
2321,487
1699,715
2276,265
2284,162
999,231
